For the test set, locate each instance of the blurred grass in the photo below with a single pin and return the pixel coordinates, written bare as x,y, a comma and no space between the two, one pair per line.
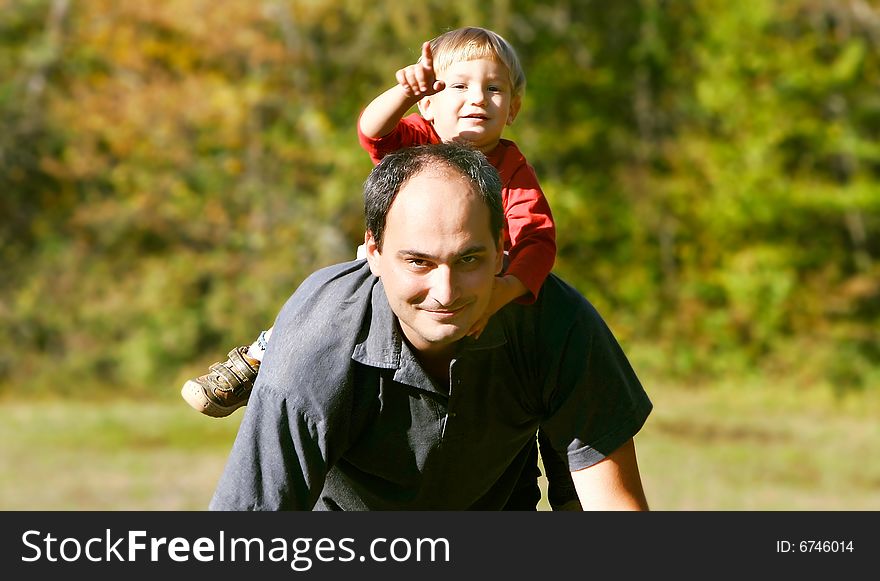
734,446
110,455
741,446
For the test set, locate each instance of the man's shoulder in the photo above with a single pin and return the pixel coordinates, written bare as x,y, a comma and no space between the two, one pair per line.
337,292
557,295
347,279
314,334
558,308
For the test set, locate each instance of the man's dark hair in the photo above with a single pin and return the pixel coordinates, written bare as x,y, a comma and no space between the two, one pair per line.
386,179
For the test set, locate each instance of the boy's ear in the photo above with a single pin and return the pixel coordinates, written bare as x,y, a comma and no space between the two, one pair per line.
374,256
515,104
426,108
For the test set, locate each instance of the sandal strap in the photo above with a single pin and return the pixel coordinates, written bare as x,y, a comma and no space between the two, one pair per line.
236,372
227,379
241,364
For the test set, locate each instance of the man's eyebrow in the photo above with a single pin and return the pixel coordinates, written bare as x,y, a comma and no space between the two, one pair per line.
470,250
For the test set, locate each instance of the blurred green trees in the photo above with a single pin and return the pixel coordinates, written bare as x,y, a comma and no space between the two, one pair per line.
170,171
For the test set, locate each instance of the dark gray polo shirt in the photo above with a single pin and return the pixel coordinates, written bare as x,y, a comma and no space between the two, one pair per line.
342,415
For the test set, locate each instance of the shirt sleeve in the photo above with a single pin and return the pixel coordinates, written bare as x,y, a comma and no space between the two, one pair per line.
276,462
531,230
299,417
594,400
411,130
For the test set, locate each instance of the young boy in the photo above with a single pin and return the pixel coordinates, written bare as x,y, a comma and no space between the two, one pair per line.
468,85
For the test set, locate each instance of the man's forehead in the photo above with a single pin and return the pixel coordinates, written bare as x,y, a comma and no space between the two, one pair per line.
441,172
436,200
435,186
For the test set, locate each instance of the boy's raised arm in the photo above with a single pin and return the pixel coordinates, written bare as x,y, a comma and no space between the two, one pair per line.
415,81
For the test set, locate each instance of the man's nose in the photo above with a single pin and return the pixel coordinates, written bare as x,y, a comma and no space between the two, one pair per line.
444,287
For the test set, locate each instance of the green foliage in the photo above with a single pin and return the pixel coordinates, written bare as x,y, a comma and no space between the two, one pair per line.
170,172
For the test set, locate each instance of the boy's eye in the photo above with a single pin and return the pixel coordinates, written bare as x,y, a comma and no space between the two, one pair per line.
458,86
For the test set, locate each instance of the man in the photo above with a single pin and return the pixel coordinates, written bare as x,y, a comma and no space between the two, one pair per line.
371,395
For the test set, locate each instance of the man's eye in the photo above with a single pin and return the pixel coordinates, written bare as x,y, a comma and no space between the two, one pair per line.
469,259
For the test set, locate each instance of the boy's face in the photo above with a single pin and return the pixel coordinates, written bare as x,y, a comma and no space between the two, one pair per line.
476,104
438,259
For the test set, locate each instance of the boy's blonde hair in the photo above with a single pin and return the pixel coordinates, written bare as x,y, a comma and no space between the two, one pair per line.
471,43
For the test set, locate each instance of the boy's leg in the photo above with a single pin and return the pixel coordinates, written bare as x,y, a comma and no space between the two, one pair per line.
258,347
561,493
228,384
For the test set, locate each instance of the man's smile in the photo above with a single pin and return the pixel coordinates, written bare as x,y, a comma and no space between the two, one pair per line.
443,313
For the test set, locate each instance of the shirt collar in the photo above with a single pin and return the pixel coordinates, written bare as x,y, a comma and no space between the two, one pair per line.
380,346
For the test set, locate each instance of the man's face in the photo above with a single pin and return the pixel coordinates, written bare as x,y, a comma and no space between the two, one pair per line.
438,259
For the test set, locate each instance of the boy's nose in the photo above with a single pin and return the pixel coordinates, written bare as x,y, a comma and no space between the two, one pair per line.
478,96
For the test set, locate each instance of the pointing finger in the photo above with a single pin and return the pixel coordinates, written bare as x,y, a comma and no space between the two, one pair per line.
427,56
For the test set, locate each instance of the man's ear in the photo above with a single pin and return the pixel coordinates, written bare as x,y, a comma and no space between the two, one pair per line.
374,256
515,104
499,256
426,108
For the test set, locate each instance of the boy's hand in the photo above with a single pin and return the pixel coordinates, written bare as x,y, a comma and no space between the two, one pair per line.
506,289
419,80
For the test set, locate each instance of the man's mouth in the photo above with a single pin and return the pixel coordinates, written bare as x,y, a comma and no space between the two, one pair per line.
443,313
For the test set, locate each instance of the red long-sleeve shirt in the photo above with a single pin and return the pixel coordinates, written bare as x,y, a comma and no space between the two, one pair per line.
530,234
